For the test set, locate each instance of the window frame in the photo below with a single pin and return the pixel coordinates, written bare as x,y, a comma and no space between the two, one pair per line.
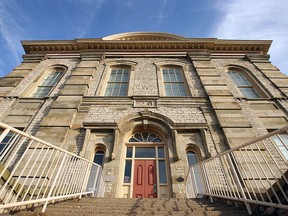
121,82
184,73
99,147
177,82
283,144
95,155
106,75
38,82
249,83
5,145
195,155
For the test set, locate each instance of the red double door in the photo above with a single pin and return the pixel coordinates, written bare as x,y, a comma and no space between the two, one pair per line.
145,183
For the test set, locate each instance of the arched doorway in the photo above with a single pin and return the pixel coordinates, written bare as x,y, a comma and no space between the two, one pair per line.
146,169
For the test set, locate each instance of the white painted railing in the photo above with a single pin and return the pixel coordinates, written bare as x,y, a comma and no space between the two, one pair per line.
34,171
254,173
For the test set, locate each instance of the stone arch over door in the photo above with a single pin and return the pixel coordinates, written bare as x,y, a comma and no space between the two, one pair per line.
147,119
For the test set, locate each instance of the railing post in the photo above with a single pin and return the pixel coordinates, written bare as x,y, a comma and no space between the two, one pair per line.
206,181
239,186
86,178
54,183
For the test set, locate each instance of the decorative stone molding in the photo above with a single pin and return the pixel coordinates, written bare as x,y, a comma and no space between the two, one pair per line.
145,41
143,102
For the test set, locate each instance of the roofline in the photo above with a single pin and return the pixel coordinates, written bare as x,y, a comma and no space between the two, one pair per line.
146,41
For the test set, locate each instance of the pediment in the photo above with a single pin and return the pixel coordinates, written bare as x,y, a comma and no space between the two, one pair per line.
145,36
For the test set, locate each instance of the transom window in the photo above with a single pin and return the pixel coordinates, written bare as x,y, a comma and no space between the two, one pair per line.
48,83
118,82
243,84
173,81
145,137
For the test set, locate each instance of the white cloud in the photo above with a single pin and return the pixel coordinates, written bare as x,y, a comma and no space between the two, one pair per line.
10,29
257,19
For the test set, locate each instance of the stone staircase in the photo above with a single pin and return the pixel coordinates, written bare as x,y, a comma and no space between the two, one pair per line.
121,206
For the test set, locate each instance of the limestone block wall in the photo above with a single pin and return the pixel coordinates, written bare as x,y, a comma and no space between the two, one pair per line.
57,125
177,114
227,119
21,113
18,74
24,87
5,104
239,118
226,109
278,79
236,115
145,81
275,116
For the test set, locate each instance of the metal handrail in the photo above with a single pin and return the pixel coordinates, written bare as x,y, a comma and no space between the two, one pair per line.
253,173
34,171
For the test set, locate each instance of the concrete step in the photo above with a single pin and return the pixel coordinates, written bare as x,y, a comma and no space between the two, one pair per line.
143,207
120,206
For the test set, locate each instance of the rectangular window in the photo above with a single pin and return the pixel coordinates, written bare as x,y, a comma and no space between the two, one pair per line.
281,141
6,141
162,171
145,152
47,84
118,82
127,173
173,82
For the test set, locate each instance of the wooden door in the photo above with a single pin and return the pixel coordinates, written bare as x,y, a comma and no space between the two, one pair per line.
145,179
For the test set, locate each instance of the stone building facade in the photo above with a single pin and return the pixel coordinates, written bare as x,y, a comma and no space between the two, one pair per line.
145,105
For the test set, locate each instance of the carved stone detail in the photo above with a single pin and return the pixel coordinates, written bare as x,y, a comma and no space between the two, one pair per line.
145,103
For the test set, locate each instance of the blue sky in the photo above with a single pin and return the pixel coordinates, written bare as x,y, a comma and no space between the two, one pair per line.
70,19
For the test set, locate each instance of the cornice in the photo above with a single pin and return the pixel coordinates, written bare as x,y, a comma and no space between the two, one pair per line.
137,44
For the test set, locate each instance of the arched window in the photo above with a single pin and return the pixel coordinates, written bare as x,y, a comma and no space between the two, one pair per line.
244,84
191,157
99,157
145,136
118,82
174,84
48,83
